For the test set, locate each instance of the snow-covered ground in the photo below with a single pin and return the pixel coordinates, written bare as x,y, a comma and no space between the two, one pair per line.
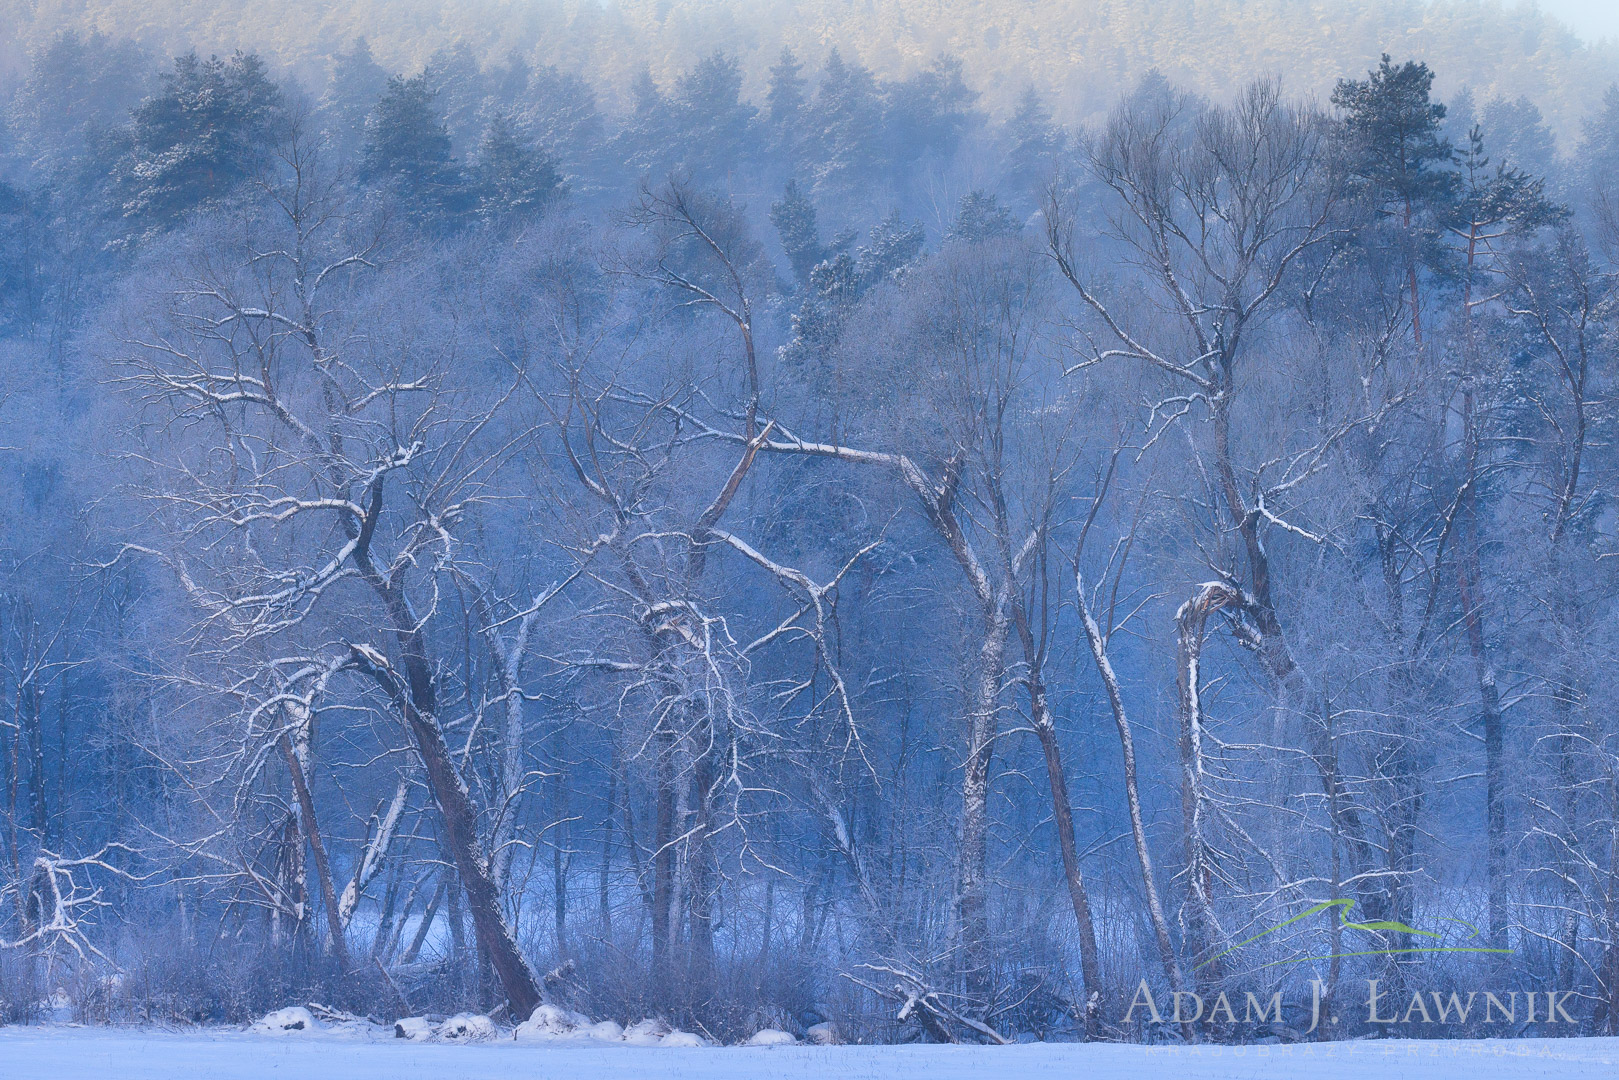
70,1053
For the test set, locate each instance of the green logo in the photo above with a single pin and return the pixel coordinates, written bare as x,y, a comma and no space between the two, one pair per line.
1384,924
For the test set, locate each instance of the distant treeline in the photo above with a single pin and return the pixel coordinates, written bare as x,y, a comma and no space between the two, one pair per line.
1077,54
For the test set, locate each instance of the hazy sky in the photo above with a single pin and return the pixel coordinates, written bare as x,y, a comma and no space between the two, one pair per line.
1592,19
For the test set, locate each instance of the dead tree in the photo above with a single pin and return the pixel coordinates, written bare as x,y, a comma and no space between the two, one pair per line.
1198,807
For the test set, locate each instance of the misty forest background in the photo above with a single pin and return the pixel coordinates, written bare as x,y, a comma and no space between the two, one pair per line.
913,516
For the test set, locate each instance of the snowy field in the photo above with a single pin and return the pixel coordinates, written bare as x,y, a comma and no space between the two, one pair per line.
69,1053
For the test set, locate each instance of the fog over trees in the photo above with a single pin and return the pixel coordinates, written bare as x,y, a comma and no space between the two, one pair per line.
1079,52
762,541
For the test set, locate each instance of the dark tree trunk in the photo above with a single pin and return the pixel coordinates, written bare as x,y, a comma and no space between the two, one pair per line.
973,886
31,699
559,865
700,903
317,847
664,865
426,925
416,698
1063,816
604,879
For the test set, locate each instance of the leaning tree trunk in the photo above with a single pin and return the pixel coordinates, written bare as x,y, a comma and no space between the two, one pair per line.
317,845
1138,830
1062,814
460,837
416,699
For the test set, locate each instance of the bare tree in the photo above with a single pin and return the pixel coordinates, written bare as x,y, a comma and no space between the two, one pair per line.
319,471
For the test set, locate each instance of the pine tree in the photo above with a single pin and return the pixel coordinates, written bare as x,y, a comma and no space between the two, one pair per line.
404,135
78,91
1398,155
358,83
461,91
892,246
1598,157
785,97
793,215
787,112
1495,199
199,136
560,114
847,125
1034,144
1461,115
981,217
407,148
834,288
926,116
1519,134
836,283
510,82
714,128
645,140
514,180
1394,133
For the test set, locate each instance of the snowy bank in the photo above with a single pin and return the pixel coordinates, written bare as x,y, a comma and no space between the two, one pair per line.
74,1053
